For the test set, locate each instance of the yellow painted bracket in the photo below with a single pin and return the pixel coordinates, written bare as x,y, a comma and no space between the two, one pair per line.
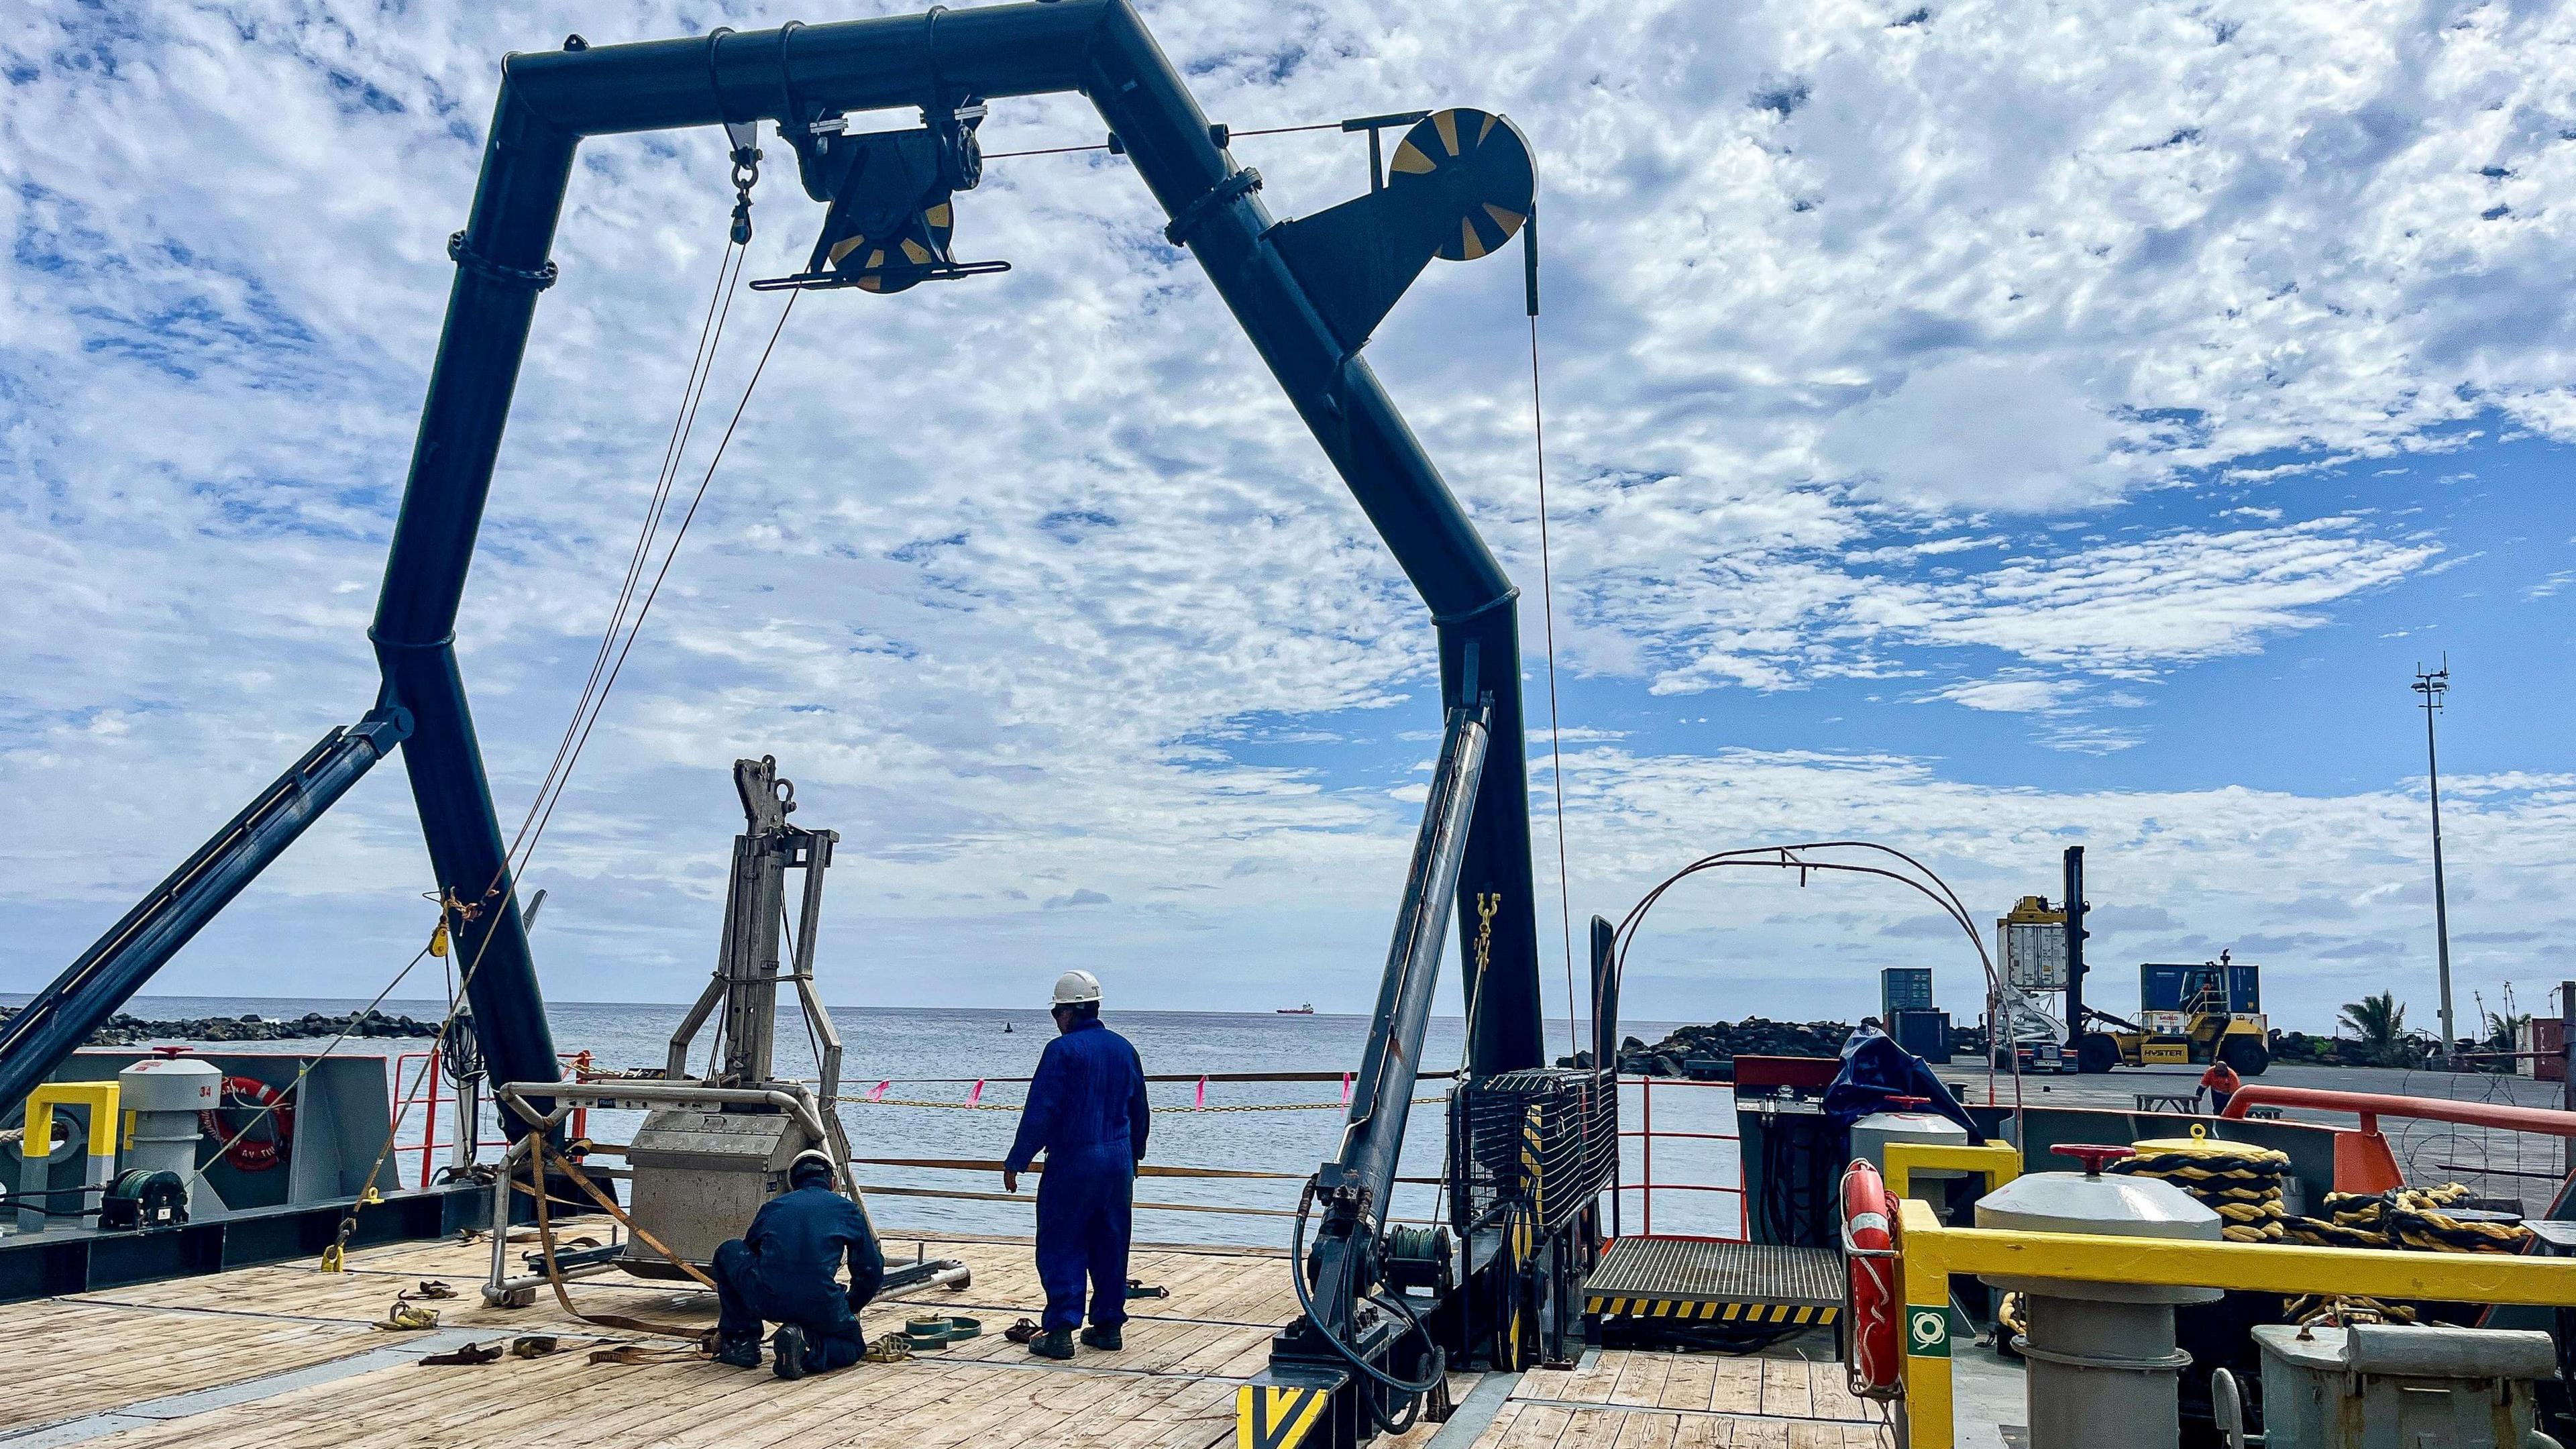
1928,1254
99,1097
1997,1162
1276,1416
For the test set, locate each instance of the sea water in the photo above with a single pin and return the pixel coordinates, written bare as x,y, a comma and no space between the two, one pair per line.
938,1055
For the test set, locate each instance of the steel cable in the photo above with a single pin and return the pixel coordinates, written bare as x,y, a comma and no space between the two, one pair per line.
693,392
683,422
1555,753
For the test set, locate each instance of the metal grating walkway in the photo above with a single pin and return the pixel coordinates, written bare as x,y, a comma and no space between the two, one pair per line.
1703,1279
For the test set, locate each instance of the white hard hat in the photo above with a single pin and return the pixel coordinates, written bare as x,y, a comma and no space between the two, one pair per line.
817,1157
1076,987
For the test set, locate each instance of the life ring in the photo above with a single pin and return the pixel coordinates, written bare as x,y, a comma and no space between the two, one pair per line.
1872,1360
263,1140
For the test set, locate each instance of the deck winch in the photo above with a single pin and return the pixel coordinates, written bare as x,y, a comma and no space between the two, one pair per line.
166,1100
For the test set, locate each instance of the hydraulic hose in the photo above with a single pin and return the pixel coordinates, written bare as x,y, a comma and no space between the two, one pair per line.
1411,1389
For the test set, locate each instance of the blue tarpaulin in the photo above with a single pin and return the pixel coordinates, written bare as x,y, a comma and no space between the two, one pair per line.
1875,1068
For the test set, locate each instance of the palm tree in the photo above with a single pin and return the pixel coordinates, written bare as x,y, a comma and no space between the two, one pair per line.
2380,1024
2504,1037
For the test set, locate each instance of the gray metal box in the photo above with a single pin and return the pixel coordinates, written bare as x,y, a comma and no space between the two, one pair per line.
2393,1386
699,1177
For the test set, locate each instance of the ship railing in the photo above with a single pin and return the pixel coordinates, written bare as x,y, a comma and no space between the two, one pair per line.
421,1079
989,1166
1647,1135
967,1094
2503,1140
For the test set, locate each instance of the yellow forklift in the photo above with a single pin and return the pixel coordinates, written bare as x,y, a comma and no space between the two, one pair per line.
2189,1015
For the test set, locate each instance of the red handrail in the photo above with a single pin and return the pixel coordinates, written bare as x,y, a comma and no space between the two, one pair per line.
433,1072
2363,1162
2371,1106
1647,1188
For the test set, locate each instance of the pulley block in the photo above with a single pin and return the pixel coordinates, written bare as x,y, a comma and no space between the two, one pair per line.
1469,164
892,214
1460,185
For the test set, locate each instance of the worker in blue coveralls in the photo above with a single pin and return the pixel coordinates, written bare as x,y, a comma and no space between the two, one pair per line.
1086,1111
786,1270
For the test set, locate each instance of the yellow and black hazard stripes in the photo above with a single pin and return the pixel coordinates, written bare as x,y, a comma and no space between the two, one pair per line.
1533,1142
1276,1416
1614,1307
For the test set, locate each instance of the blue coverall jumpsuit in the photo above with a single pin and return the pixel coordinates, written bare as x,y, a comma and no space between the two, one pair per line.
1087,1111
786,1270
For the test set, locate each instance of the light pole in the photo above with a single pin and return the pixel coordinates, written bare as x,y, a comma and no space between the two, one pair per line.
2432,686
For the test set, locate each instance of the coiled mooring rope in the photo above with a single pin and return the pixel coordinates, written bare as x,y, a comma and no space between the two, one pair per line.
2426,1219
2236,1180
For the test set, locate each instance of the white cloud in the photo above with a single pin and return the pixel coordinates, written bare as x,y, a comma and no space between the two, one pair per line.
999,569
1979,433
2009,696
2128,608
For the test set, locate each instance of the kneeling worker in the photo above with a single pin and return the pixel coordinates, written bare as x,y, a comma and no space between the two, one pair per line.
1086,1109
786,1270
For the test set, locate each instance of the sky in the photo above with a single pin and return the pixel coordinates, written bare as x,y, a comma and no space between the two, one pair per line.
1980,429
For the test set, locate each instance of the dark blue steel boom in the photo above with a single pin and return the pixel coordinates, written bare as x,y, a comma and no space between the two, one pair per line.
1307,294
550,101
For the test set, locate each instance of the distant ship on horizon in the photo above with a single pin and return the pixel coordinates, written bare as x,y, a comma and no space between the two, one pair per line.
1302,1009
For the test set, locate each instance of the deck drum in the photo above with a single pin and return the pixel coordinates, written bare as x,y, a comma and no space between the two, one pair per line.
2100,1353
162,1097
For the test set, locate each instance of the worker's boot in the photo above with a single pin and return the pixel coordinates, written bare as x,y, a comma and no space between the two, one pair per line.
788,1348
742,1352
1106,1338
1055,1343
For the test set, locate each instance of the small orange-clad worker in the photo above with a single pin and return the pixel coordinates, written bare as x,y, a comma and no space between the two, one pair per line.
2221,1082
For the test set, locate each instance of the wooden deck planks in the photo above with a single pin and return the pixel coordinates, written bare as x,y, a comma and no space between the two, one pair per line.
1248,1291
1688,1384
1171,1387
1529,1425
1532,1426
1641,1379
67,1359
1636,1400
1702,1431
1737,1387
1787,1390
1647,1431
1834,1398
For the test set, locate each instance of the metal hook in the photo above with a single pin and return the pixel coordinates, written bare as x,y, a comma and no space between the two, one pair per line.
743,144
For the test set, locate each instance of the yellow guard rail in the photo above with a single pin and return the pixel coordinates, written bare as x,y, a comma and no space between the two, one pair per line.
98,1097
1928,1254
1997,1162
